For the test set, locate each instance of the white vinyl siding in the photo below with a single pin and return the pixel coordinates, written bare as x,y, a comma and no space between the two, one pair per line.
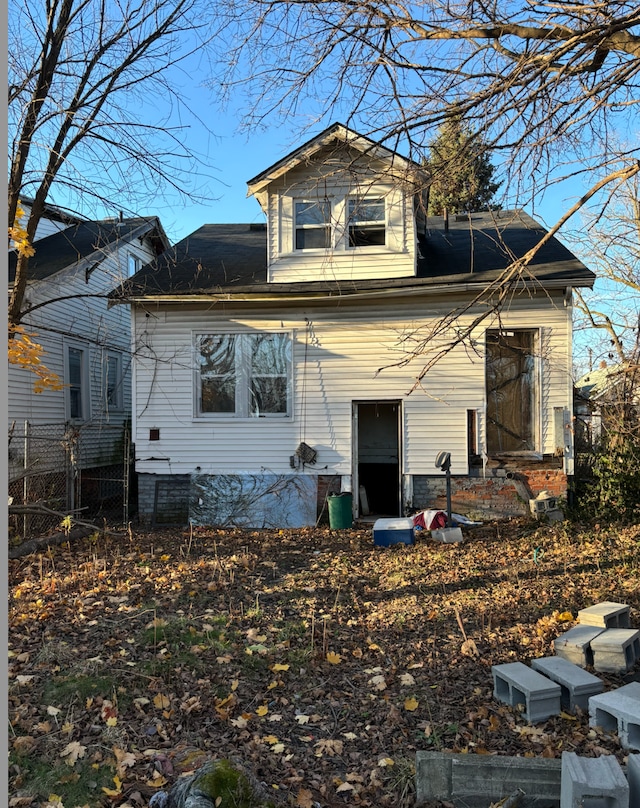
331,184
337,353
87,322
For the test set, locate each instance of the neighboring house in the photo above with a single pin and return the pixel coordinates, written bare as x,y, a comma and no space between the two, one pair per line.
273,363
86,342
599,396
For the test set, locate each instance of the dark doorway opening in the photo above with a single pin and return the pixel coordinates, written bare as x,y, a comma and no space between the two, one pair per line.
377,457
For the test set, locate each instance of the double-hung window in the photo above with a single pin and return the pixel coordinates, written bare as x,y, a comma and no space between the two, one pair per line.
511,387
246,375
113,381
77,383
366,222
312,225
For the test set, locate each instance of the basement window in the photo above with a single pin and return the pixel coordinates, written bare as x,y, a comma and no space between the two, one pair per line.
246,375
511,391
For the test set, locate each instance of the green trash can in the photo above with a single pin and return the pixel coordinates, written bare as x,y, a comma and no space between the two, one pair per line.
340,510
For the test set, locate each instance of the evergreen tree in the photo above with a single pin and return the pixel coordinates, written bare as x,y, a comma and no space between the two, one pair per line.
462,174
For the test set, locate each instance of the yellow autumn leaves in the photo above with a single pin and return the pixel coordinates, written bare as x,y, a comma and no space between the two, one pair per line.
18,235
26,353
23,350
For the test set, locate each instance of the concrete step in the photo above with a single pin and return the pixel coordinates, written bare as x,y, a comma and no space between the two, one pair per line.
606,614
515,683
575,645
576,684
592,782
618,711
616,650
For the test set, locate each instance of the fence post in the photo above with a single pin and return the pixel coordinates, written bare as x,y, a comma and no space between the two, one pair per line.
25,481
126,470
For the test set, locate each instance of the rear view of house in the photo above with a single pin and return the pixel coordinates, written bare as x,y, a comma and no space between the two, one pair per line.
275,363
65,445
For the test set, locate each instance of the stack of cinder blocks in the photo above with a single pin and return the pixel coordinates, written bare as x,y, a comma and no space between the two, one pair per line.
602,639
552,684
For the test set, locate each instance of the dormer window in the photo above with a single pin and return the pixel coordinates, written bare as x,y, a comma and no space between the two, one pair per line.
313,225
366,222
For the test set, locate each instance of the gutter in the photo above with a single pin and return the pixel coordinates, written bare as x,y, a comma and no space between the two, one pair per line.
288,297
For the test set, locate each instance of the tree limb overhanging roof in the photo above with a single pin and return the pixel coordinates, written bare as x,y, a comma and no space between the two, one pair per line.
339,135
229,261
82,240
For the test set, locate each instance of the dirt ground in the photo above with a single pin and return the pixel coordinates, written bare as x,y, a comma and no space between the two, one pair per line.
317,659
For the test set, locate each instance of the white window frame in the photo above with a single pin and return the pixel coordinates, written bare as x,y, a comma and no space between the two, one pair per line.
84,386
327,225
536,394
114,402
242,376
134,263
352,221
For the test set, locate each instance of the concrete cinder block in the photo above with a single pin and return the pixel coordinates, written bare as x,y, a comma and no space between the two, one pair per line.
477,781
606,614
447,535
618,711
633,778
576,684
515,683
616,650
592,782
575,645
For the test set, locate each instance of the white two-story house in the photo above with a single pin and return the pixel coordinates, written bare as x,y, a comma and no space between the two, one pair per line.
277,362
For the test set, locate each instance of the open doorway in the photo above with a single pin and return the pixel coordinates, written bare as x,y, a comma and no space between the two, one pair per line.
376,460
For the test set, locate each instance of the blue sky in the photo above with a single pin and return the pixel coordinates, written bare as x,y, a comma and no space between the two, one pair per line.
236,157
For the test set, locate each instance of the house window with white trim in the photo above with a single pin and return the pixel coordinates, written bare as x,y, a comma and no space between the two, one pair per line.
134,263
511,388
246,375
312,224
113,381
366,222
77,383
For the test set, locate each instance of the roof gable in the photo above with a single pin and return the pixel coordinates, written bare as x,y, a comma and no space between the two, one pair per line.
84,240
335,136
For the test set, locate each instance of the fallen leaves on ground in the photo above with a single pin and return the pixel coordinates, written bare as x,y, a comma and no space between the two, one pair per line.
321,662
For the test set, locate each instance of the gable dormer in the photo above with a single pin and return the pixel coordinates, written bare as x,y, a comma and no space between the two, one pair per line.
340,207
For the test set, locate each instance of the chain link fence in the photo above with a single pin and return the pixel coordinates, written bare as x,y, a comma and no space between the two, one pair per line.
78,470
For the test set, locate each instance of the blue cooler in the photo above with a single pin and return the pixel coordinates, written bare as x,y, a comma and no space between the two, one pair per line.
392,531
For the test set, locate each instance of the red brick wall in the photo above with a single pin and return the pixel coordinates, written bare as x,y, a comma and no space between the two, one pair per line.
488,497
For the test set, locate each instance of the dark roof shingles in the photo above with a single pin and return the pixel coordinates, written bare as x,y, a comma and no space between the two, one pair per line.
233,257
71,245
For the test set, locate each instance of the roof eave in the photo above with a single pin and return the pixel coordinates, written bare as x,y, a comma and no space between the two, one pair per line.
328,294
